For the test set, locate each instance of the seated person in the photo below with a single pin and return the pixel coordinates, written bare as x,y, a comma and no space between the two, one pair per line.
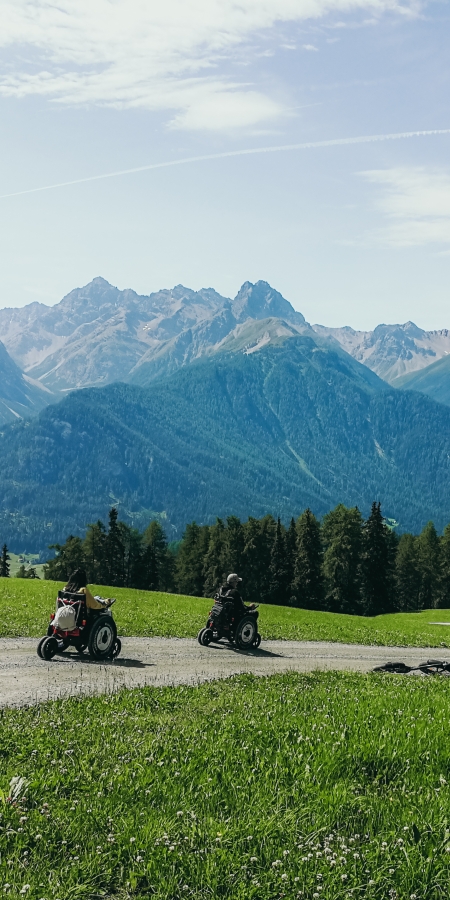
229,594
77,584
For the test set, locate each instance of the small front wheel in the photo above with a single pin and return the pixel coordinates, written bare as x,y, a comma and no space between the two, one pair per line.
257,641
200,635
49,648
39,646
207,637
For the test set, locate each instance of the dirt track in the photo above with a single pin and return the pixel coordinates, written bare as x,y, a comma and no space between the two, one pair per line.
25,679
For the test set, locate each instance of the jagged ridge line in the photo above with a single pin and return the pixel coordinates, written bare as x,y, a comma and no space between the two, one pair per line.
309,145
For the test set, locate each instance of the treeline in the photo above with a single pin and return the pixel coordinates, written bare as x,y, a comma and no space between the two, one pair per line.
342,564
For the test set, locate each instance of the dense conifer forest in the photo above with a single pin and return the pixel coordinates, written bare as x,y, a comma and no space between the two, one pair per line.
342,564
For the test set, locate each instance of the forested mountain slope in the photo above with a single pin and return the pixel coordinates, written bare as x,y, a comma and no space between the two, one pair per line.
19,396
433,381
291,425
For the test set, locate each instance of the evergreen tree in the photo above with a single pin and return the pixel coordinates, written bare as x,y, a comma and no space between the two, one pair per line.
131,542
4,562
308,587
291,555
69,556
190,560
234,545
428,550
114,551
278,573
342,537
157,562
24,572
94,546
254,561
407,574
214,564
376,565
444,578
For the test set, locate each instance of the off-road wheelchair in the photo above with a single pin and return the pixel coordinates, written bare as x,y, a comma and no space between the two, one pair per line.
73,624
221,623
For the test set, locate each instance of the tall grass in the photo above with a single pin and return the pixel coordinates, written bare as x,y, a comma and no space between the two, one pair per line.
25,607
317,786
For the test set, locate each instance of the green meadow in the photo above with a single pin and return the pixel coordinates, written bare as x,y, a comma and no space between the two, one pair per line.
319,787
25,607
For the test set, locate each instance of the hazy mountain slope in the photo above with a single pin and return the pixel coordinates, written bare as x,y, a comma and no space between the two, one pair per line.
433,381
391,350
19,397
290,425
98,334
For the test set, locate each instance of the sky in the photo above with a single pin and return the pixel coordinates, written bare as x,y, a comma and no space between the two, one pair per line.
352,233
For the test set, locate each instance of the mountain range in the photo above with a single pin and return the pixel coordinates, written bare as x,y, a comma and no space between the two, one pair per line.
98,335
392,351
186,404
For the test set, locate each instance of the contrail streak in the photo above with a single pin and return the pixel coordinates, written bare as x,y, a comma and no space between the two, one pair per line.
310,145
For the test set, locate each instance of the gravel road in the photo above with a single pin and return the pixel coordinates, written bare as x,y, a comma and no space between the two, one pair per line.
25,679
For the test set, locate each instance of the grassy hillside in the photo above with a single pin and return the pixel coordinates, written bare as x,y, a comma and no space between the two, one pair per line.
321,786
25,607
296,424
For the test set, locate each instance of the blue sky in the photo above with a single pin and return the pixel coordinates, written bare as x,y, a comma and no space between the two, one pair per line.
351,234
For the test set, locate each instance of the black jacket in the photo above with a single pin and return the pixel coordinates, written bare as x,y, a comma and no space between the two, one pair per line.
232,595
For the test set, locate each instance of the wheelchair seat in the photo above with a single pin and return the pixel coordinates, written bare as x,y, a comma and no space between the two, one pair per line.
77,601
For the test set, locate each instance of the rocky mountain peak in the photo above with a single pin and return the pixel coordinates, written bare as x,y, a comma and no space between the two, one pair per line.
261,301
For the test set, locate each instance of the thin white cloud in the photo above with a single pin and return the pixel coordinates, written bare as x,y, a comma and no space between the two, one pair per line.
155,54
415,201
250,151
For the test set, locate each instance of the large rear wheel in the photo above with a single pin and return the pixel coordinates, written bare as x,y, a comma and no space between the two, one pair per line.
102,637
246,633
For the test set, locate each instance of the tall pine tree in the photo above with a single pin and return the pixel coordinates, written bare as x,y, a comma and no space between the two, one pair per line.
377,575
342,538
69,556
254,561
291,554
308,587
407,574
444,575
214,563
278,572
115,551
4,562
156,560
190,560
429,559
